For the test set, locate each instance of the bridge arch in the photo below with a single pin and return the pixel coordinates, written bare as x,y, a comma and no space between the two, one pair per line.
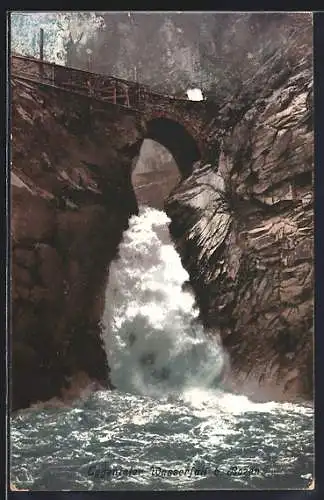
167,155
175,137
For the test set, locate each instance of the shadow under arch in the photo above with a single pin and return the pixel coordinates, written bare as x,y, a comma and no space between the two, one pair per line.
174,137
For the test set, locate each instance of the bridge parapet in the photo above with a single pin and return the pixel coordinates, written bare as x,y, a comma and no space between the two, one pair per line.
103,87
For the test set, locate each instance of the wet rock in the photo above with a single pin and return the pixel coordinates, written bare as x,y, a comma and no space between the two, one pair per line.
67,222
24,257
31,217
50,268
248,245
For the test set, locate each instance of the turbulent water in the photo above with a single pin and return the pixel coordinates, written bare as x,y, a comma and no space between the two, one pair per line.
169,424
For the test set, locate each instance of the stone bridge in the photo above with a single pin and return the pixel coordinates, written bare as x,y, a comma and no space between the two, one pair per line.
181,125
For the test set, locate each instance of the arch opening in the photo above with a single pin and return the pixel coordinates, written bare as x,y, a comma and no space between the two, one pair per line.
174,137
155,173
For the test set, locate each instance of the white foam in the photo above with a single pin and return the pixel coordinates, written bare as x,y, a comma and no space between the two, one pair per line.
154,342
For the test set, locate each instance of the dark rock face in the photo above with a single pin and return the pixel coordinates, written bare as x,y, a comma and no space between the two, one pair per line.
71,198
242,217
244,229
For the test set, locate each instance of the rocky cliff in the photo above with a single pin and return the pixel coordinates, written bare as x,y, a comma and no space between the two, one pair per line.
71,198
242,221
244,227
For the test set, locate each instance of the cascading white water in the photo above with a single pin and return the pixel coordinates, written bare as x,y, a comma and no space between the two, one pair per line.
154,341
169,419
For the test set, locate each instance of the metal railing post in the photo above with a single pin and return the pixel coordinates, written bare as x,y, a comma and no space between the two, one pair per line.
41,44
127,96
41,51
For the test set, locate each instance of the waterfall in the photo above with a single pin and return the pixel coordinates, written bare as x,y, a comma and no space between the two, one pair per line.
154,341
170,419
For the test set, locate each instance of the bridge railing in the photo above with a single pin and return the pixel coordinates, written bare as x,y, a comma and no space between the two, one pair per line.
103,87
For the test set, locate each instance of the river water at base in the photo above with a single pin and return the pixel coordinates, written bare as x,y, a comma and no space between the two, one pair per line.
169,425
